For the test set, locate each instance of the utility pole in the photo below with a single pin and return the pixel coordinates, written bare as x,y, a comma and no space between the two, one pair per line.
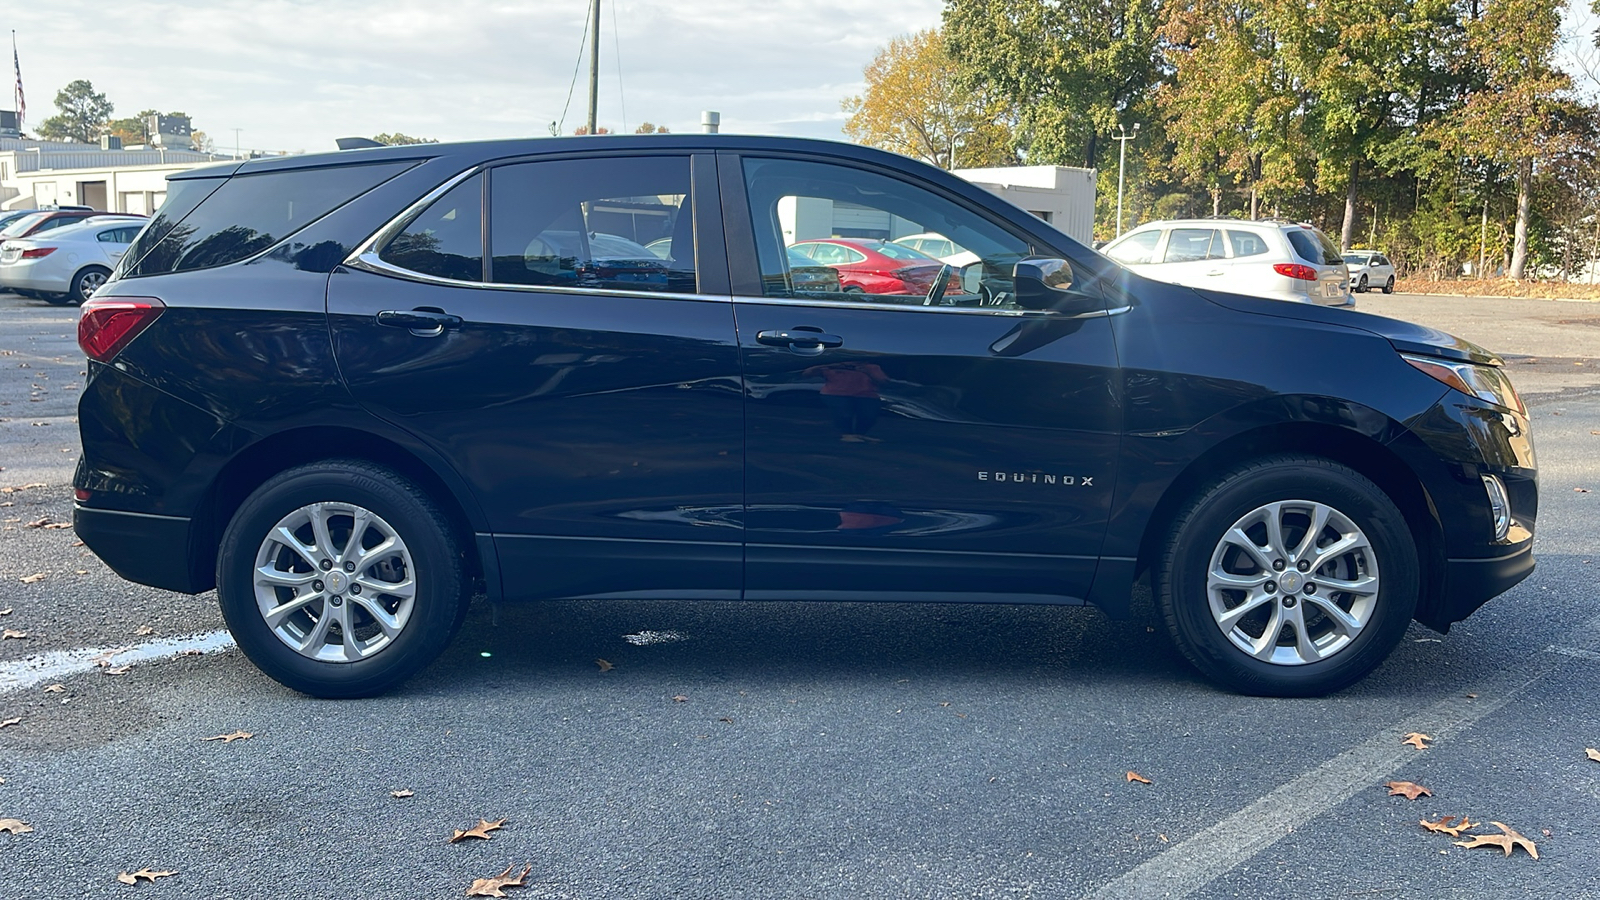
594,65
236,141
1122,138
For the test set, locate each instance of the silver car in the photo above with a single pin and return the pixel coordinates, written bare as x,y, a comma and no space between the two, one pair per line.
67,264
1270,258
1368,268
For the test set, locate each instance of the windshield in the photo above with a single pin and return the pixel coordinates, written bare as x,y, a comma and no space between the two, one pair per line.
23,224
1356,259
898,251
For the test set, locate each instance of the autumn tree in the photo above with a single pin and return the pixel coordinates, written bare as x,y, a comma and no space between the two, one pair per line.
397,139
913,104
650,128
1074,69
82,114
134,129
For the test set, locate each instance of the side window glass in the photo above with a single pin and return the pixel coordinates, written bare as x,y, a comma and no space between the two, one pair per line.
619,223
1305,246
1192,244
847,219
1137,249
1246,244
446,241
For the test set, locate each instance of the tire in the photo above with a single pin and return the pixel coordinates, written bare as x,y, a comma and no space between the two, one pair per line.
323,660
854,289
54,299
1388,286
1361,286
1207,581
86,282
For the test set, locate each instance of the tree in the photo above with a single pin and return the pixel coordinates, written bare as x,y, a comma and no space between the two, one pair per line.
584,129
82,117
914,104
1074,69
398,139
133,130
648,128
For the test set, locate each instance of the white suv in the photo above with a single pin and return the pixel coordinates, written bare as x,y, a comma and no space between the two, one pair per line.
1270,258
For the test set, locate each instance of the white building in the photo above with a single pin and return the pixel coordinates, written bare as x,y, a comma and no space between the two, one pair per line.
36,174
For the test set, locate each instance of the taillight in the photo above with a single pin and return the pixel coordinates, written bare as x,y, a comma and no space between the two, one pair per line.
1296,270
37,252
107,325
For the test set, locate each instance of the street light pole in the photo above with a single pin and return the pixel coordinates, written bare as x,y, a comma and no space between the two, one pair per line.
1122,139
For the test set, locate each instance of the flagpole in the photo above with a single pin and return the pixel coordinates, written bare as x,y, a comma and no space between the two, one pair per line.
18,96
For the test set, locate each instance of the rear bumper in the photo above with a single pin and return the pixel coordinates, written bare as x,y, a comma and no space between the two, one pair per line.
143,548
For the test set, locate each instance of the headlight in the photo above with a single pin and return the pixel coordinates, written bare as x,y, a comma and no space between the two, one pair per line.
1487,383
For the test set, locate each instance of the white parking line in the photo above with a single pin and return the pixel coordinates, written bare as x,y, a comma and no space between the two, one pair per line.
58,664
1200,859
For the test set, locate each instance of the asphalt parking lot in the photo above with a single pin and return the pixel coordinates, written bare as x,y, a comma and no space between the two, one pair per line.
794,750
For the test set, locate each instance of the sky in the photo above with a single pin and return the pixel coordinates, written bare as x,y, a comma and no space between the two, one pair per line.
295,75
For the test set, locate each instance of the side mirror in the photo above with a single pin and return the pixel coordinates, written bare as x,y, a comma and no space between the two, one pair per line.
1046,284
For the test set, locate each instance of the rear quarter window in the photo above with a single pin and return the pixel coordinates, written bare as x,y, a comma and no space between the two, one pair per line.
247,214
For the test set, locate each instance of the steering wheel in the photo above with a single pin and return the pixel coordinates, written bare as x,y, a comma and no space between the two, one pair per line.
940,283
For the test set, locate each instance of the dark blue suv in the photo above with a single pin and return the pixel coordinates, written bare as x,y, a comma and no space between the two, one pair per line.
351,390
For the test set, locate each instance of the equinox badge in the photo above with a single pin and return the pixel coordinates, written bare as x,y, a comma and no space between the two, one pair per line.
1038,478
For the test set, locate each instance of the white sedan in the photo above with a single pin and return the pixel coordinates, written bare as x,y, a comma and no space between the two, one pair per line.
67,264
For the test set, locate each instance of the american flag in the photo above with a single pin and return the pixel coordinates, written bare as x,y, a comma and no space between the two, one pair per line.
22,102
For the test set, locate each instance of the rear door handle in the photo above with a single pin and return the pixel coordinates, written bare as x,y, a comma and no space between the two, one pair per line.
419,321
797,338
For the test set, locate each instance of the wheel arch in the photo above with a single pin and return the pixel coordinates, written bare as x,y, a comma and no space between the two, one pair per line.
251,467
1349,448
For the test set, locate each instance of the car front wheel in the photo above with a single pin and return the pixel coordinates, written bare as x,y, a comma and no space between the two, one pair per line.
341,579
1388,286
1289,577
1361,286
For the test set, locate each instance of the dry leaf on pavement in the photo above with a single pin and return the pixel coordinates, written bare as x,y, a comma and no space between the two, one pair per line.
1506,842
5,612
604,665
1417,740
37,576
146,874
401,795
13,721
680,698
10,633
55,689
1592,753
230,738
480,831
491,887
1447,825
15,826
1406,789
118,670
1135,776
144,630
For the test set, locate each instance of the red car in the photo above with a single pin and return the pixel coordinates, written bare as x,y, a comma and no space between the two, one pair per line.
868,266
43,220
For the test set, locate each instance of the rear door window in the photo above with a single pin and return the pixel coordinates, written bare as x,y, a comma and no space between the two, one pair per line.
1191,244
250,213
1246,244
446,241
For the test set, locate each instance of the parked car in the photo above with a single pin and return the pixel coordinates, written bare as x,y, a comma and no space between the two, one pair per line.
43,220
867,266
939,247
67,264
1368,268
351,390
1262,258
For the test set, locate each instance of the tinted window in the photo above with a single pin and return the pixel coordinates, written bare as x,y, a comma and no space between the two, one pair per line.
1313,247
585,223
446,241
1136,249
118,235
1246,244
183,195
1190,244
794,203
250,213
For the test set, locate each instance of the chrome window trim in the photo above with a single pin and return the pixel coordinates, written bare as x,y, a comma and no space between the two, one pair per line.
398,223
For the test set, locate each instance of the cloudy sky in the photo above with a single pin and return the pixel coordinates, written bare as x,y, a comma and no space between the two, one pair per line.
294,75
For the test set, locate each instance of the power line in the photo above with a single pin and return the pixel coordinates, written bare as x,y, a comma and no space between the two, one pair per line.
576,65
616,45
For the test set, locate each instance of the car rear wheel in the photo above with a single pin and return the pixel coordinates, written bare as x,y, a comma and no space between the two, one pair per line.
54,299
341,579
86,282
1388,286
1288,577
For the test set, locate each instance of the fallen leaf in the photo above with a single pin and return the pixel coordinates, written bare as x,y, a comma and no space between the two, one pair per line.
15,826
40,522
5,612
37,576
1135,776
230,738
146,874
1472,696
480,831
144,629
56,689
1507,842
491,887
401,795
77,543
54,526
1580,490
5,722
1406,789
730,722
1592,753
680,698
1448,825
118,670
1417,740
13,634
604,666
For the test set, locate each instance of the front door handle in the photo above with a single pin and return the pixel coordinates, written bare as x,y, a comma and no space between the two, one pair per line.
419,321
804,340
